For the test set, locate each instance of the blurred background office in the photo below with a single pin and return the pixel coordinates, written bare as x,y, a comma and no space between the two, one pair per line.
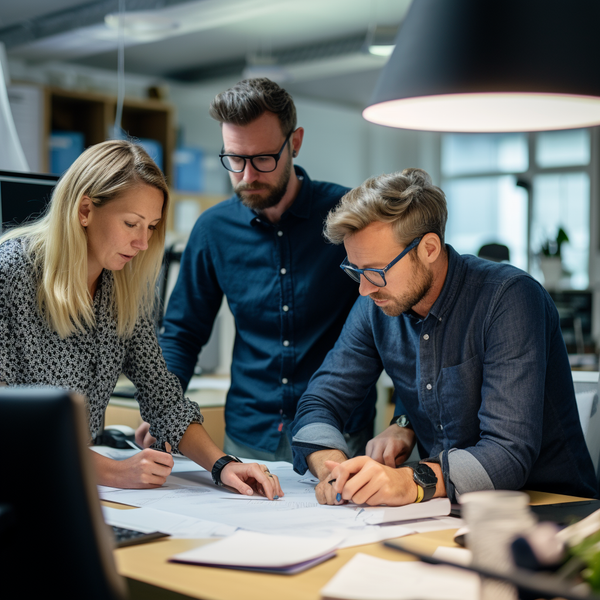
74,68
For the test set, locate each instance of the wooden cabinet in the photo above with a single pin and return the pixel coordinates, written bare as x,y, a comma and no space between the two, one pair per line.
93,114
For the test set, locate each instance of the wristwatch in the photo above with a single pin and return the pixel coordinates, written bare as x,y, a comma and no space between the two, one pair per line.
218,467
401,421
425,478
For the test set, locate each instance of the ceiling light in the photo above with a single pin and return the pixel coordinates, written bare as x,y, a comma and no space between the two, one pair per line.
469,65
142,24
380,40
381,49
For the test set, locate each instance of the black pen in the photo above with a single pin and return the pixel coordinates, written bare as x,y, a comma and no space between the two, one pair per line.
338,498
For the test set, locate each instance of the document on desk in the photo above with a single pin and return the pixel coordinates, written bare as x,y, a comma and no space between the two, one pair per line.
192,494
261,552
369,578
180,526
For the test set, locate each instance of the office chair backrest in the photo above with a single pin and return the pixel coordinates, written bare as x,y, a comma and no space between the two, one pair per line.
586,394
53,539
494,252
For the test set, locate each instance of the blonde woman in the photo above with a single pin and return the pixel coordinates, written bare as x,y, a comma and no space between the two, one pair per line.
76,301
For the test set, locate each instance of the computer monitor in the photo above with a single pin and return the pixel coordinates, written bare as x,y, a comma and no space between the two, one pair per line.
23,196
53,540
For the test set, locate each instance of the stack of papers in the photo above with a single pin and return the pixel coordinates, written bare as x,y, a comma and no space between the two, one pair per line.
251,551
190,505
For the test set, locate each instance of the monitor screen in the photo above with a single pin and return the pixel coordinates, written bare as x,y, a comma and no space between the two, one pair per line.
23,196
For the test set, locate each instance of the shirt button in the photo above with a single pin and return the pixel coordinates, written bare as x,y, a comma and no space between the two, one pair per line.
283,271
284,380
285,308
428,386
280,233
440,427
426,337
286,343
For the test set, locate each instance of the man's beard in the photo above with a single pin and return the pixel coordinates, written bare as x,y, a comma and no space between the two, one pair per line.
276,192
423,280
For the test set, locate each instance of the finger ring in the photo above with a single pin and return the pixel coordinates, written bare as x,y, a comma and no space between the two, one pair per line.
267,470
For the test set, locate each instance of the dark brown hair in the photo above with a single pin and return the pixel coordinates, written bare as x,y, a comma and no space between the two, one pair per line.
249,99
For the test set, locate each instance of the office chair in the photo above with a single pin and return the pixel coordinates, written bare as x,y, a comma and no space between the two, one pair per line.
586,395
494,252
53,540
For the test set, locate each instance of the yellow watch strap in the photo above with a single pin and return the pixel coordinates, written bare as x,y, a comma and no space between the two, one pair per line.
420,494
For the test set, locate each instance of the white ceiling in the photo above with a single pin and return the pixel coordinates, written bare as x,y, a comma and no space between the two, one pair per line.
316,42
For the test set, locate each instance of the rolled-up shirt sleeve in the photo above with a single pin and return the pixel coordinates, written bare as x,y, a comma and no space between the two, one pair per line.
159,392
348,372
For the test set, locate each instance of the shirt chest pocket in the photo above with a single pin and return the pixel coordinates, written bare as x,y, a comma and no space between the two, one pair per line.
459,395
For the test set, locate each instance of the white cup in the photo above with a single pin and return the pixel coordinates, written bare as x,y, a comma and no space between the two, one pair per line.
495,519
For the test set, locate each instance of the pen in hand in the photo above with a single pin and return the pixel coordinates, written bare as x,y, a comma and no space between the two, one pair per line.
338,497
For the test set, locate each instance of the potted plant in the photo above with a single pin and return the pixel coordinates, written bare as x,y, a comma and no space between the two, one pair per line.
551,258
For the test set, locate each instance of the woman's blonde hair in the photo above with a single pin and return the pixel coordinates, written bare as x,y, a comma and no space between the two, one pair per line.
57,243
408,200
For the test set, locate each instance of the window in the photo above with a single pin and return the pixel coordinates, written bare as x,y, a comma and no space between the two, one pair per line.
518,189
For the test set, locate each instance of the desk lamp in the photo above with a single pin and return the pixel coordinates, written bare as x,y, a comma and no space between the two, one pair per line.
477,66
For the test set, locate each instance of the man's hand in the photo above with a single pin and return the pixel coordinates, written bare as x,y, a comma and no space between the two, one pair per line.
146,469
316,461
142,436
250,478
392,446
365,481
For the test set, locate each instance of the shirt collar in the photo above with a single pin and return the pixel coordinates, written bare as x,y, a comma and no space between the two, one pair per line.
300,207
451,286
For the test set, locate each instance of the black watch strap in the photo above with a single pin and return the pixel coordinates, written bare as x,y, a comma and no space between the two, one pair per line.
425,478
220,464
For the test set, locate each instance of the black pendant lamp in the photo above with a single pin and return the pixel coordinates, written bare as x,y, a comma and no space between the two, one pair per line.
492,66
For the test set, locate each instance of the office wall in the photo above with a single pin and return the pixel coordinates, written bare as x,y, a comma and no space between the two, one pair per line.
339,145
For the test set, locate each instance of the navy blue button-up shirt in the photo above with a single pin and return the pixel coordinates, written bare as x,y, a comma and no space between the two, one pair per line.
289,299
484,378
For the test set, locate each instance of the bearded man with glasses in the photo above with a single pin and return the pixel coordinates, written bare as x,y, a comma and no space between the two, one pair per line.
264,251
474,350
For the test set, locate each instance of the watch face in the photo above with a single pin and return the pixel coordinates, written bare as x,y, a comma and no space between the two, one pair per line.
425,476
403,421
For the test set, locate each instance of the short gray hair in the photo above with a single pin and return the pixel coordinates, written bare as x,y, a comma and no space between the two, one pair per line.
408,200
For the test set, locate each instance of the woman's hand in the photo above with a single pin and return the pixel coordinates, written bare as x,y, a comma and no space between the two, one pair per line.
250,478
146,469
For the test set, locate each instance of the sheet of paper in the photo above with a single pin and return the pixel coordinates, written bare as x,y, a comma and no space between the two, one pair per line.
370,578
434,524
192,494
390,514
150,519
371,534
259,550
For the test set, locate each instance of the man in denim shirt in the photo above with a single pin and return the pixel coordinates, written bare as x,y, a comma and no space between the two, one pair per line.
264,250
475,352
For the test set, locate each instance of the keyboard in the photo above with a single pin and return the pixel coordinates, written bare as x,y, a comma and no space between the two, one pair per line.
131,537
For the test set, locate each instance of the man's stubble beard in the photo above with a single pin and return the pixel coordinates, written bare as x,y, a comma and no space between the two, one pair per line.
276,192
423,278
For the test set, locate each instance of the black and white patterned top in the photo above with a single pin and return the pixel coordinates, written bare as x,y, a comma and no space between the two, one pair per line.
88,363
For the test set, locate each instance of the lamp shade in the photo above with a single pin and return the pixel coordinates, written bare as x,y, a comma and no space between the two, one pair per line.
475,65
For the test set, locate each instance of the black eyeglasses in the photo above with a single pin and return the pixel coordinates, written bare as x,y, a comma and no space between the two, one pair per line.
376,276
265,163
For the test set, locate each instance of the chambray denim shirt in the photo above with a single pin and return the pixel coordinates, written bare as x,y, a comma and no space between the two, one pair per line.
289,299
484,378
